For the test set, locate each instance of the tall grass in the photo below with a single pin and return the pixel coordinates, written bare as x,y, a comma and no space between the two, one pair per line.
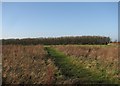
97,59
27,65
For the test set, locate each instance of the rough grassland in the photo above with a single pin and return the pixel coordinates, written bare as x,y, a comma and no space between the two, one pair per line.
27,65
75,69
97,59
61,64
0,64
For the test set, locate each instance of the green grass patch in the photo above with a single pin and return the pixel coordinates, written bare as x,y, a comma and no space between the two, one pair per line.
71,68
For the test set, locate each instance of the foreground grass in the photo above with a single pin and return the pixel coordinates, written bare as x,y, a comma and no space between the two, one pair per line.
27,65
72,68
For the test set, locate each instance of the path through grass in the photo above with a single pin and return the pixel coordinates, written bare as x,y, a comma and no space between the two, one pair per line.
71,69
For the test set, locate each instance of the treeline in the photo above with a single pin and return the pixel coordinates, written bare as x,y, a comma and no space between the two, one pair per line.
59,40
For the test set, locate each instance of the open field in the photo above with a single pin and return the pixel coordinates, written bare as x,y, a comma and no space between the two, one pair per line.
60,64
96,59
0,64
27,65
59,43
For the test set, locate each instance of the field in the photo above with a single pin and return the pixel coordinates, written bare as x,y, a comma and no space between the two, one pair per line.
26,64
60,64
0,64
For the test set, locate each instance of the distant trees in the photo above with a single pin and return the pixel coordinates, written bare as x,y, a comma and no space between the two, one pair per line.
59,40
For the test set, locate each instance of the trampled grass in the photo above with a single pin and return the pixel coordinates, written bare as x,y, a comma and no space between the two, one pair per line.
98,58
61,64
75,68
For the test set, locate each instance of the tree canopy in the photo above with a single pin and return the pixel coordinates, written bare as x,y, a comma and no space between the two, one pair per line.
59,40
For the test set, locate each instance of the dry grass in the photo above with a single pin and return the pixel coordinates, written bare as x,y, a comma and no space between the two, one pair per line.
26,65
99,52
95,58
0,64
32,64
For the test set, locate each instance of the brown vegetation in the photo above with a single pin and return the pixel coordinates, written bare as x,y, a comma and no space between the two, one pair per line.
95,58
26,65
33,65
108,53
0,63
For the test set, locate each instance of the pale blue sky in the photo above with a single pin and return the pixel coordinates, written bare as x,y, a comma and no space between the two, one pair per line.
0,20
53,19
59,0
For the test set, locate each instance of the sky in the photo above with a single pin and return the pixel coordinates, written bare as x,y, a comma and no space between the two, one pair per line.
55,19
0,20
60,0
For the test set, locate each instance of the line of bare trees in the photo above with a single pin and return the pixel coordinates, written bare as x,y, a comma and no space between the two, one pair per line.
59,40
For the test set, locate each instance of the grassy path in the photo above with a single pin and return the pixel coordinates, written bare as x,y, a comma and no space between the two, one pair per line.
71,69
